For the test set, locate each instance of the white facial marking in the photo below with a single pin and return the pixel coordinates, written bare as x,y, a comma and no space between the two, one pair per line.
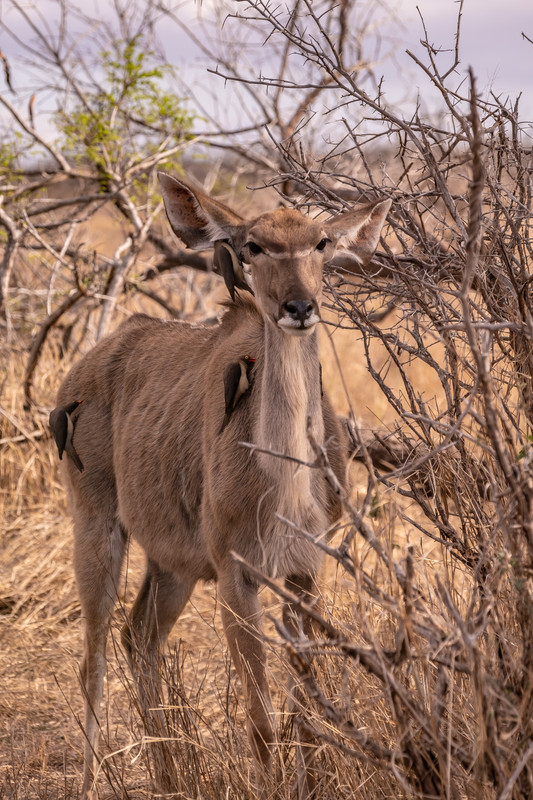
297,254
294,327
247,272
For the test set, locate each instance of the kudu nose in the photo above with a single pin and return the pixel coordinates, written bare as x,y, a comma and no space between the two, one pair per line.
299,310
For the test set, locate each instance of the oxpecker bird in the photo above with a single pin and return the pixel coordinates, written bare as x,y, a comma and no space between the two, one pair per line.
62,427
237,381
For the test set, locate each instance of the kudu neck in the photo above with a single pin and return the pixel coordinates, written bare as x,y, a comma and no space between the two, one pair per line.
290,393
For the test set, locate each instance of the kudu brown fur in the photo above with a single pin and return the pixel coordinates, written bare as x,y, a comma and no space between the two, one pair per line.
160,467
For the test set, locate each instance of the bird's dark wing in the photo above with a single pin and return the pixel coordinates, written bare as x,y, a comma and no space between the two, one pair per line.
232,377
59,424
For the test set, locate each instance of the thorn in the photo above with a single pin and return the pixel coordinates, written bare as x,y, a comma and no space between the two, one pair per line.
30,109
7,71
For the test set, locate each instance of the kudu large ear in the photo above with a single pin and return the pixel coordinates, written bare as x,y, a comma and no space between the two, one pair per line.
197,219
357,234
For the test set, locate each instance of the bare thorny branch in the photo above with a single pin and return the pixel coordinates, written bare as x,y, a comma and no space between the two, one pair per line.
456,266
447,658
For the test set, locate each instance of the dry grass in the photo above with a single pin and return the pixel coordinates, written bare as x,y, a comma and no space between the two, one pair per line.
418,684
41,642
40,631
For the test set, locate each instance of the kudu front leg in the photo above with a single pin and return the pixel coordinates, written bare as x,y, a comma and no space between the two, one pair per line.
242,620
298,625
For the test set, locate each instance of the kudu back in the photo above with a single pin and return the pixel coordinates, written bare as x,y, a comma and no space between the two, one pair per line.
165,406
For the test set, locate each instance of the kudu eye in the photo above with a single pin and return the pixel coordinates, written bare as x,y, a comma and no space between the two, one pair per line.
322,244
254,248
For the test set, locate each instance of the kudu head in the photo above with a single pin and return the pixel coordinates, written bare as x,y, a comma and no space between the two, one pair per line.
279,256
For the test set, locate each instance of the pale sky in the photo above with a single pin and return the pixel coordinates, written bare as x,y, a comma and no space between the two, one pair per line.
491,42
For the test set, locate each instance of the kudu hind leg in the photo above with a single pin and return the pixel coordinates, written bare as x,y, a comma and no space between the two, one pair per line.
160,601
99,547
241,617
299,624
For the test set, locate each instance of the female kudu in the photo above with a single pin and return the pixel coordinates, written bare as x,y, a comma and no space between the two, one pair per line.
158,436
